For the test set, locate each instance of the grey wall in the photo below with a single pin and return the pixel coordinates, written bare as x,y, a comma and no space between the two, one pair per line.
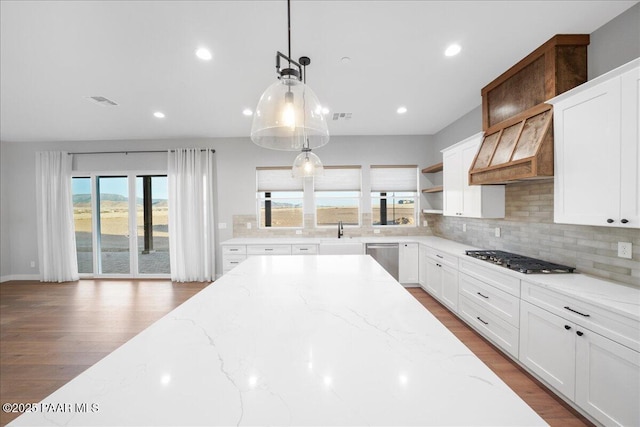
615,43
5,242
236,160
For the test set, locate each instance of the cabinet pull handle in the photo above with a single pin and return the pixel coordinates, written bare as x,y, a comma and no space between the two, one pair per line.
486,323
233,250
577,312
268,249
304,249
624,220
438,265
567,327
483,296
439,256
234,262
610,221
580,333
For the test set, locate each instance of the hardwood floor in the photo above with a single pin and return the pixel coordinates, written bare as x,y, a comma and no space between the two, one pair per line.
50,333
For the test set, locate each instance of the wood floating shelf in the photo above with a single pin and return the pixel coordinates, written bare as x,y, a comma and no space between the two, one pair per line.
437,189
432,211
433,168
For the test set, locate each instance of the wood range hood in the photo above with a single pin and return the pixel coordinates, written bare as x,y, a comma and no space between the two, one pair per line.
517,124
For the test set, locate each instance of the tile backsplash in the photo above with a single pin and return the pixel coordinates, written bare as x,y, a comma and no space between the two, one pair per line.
528,229
310,230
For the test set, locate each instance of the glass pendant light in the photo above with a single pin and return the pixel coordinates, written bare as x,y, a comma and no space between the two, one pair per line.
307,164
289,115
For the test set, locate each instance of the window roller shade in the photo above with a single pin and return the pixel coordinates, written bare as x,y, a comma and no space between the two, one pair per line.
277,179
386,179
340,178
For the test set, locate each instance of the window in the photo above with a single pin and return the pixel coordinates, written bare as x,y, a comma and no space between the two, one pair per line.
152,219
280,198
394,192
337,196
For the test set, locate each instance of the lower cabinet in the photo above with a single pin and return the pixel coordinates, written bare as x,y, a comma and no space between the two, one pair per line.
441,279
600,375
408,263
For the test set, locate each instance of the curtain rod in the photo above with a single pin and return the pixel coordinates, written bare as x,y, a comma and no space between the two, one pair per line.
141,151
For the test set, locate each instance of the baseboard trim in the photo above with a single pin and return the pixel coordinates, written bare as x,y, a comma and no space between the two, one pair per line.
13,277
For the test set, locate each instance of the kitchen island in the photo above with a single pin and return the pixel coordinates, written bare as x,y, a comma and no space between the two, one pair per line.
291,340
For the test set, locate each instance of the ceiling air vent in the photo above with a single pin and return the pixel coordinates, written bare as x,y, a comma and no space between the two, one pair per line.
341,116
101,100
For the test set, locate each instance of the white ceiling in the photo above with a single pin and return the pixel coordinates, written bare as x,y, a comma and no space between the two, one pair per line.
141,55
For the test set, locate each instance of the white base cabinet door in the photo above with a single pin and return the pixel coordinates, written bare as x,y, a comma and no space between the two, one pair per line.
434,278
423,260
548,347
450,287
408,263
607,380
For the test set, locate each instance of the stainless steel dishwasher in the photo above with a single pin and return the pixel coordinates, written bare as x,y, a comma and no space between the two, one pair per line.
387,256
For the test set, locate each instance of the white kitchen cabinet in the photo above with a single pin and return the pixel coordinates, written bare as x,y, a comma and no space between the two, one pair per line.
422,266
408,263
442,278
548,347
464,200
597,157
304,249
232,256
607,380
559,344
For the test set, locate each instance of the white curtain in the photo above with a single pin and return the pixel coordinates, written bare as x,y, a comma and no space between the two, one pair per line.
56,236
191,222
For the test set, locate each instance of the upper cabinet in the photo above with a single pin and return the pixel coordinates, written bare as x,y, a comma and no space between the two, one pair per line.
597,179
460,198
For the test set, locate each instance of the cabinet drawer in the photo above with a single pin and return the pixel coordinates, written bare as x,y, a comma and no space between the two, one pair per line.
501,333
621,329
234,249
488,275
304,249
443,258
231,261
269,250
501,304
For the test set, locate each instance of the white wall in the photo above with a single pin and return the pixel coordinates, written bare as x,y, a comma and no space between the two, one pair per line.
236,160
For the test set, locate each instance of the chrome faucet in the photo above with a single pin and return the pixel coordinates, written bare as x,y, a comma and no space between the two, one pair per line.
340,230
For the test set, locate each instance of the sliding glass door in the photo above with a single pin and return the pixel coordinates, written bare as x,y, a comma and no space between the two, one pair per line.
122,225
152,217
113,225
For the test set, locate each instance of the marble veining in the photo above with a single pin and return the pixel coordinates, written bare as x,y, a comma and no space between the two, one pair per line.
293,340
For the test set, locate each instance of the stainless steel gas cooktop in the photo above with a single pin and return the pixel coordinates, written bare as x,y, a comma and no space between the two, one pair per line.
520,263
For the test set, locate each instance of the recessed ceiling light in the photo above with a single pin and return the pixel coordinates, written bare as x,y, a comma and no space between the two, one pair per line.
453,50
159,115
204,54
401,110
247,112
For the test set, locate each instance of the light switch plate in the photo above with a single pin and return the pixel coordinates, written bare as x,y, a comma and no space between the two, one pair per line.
624,249
376,231
464,228
298,231
222,225
248,226
497,232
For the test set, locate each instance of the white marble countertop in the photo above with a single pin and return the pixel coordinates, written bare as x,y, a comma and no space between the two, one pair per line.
619,298
293,340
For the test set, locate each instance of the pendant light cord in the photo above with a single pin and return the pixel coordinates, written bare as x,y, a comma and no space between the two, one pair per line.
289,29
